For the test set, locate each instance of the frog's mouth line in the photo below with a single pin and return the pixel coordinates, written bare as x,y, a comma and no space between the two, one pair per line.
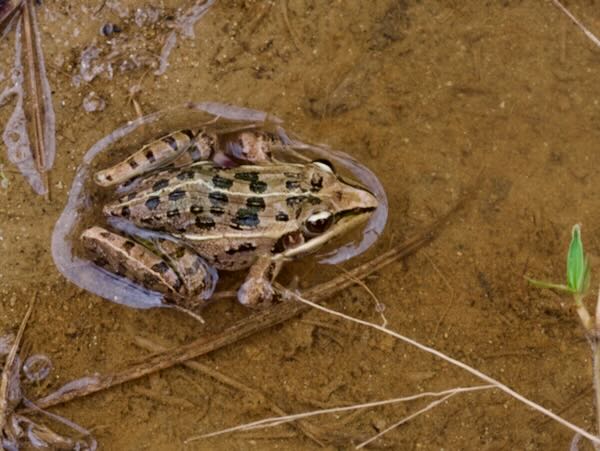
344,221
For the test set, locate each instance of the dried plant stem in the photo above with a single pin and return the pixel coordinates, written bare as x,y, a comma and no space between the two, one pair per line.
490,380
406,419
591,36
34,97
275,421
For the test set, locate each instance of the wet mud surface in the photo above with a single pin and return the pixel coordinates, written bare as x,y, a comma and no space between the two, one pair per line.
431,96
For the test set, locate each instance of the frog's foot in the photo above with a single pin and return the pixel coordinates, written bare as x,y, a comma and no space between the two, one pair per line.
181,275
180,147
257,290
248,146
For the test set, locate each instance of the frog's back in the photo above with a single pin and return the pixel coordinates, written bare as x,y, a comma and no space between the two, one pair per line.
228,215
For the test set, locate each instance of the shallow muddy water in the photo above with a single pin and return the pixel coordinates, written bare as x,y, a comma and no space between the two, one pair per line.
432,96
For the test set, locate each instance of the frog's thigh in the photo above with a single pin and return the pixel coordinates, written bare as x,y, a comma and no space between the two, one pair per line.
156,154
199,279
257,291
127,258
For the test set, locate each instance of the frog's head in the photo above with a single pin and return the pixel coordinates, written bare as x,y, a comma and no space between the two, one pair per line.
334,206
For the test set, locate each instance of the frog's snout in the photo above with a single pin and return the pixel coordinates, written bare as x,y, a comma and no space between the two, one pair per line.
357,199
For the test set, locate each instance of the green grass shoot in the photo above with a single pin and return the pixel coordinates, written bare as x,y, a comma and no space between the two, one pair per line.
578,269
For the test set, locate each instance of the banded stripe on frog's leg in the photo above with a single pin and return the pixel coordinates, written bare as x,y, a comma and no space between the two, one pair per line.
202,148
154,155
127,258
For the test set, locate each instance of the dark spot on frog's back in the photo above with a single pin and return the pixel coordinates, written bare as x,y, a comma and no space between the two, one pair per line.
205,222
217,211
247,176
293,201
218,198
292,185
185,175
161,184
152,202
258,186
221,182
125,211
246,217
176,195
173,213
132,163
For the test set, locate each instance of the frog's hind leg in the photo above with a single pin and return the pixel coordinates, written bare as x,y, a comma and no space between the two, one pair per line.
158,154
197,276
184,278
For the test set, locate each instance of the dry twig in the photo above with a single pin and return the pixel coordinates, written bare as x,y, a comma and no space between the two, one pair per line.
34,95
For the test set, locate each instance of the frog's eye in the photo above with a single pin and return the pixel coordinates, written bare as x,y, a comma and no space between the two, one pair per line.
325,165
318,223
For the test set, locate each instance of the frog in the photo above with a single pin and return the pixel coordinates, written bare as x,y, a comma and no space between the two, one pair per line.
192,204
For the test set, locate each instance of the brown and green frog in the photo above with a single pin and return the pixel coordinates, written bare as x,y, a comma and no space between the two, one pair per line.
194,203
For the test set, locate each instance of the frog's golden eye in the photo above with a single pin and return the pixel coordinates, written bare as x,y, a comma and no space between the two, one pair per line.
319,222
325,165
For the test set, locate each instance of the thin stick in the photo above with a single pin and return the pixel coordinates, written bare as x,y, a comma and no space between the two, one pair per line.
38,148
591,36
8,367
457,363
428,407
275,421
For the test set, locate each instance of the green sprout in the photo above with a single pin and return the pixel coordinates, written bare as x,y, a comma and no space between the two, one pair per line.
578,276
578,269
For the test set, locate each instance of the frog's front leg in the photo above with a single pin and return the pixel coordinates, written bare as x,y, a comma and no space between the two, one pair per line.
180,148
257,290
180,274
